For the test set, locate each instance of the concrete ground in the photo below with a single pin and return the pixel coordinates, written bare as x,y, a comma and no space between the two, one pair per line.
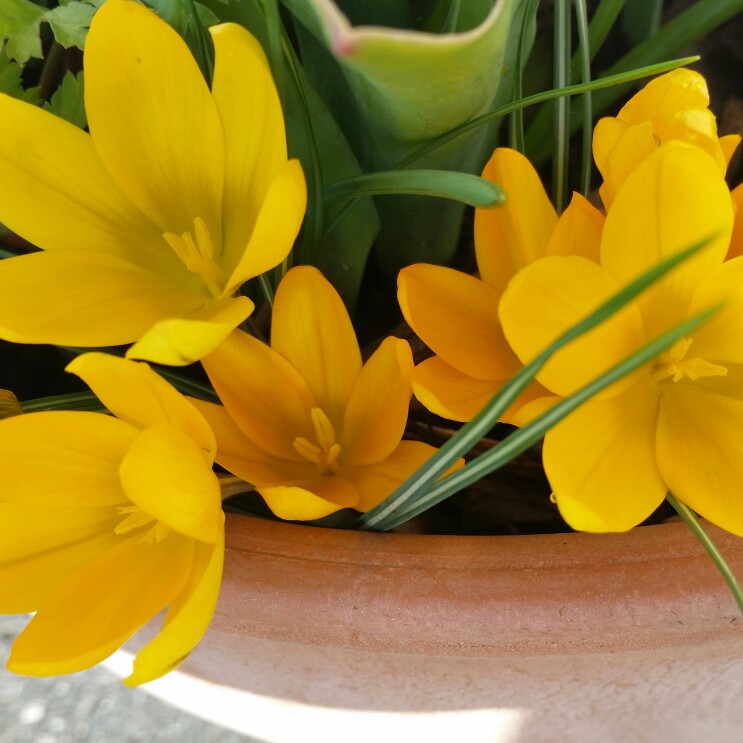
90,707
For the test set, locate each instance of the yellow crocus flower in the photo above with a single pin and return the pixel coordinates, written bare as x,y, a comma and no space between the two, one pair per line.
306,422
105,521
674,106
456,314
150,223
676,424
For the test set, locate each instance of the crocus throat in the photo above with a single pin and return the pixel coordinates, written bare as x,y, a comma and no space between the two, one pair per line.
326,451
675,365
196,250
136,518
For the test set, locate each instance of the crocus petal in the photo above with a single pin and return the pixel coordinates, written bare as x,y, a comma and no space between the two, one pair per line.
276,226
242,457
634,146
179,341
264,394
63,459
736,239
312,330
377,410
187,619
48,161
514,235
531,410
447,392
700,451
578,230
93,611
456,315
375,482
729,144
253,124
83,298
307,500
600,461
675,198
138,395
40,545
718,340
152,118
545,299
170,477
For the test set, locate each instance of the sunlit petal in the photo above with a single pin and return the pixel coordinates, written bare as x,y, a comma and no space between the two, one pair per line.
93,611
276,226
456,315
377,410
57,195
152,118
63,459
551,295
135,393
600,461
312,330
513,235
170,477
40,544
253,124
84,298
674,199
700,451
183,340
187,619
736,239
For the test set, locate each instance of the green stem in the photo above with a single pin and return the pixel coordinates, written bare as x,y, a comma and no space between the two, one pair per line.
690,519
50,72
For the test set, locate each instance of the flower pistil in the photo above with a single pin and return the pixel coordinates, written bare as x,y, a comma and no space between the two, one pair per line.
326,452
674,364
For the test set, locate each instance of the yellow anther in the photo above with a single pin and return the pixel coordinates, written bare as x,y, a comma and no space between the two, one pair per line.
673,364
325,454
308,450
324,430
197,255
136,518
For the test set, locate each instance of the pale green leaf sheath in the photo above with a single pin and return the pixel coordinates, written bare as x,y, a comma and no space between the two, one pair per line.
152,221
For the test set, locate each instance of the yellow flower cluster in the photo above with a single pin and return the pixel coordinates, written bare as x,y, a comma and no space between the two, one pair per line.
675,425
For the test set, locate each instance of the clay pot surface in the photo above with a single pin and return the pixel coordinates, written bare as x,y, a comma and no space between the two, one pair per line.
580,636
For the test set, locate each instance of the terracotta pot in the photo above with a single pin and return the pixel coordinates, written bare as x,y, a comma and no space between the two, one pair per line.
335,635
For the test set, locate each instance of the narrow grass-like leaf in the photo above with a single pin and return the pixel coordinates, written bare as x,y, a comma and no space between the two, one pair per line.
469,189
470,433
520,440
584,52
699,19
516,125
690,519
561,137
71,401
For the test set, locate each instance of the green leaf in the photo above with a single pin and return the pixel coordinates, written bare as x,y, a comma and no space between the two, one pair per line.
468,189
19,29
11,83
70,23
399,89
67,101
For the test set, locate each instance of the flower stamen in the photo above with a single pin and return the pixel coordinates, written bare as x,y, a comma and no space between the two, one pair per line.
673,364
136,519
196,250
326,452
